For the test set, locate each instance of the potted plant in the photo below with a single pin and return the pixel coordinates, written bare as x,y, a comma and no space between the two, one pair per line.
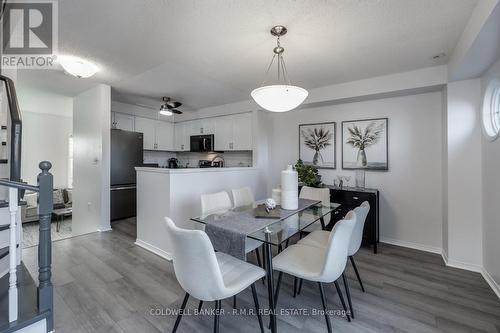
308,174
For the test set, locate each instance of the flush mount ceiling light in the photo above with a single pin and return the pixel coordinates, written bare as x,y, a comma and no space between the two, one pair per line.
78,67
279,97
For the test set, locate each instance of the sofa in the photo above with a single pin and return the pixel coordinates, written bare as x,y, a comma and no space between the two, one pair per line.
62,198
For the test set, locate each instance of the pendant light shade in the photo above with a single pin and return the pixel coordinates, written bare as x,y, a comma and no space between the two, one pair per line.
279,98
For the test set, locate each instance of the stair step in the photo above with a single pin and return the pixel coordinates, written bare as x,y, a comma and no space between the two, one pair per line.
27,301
5,251
4,161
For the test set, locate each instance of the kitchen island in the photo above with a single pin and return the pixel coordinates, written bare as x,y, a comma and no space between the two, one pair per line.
176,193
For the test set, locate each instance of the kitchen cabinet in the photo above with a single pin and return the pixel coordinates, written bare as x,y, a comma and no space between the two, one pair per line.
233,132
182,134
158,135
164,136
147,127
122,121
223,133
200,126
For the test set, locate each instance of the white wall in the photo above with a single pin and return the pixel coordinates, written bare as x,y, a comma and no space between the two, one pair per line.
91,178
47,126
491,198
463,229
410,192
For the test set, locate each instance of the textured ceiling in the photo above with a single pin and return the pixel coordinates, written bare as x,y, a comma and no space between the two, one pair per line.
206,53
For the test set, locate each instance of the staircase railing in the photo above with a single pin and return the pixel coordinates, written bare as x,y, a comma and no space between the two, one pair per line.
45,203
15,129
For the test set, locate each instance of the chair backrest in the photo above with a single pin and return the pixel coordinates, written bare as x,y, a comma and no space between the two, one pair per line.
215,202
195,264
243,197
317,193
338,245
357,235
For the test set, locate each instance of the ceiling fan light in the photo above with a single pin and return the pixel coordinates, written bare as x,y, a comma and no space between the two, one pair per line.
279,98
166,112
76,66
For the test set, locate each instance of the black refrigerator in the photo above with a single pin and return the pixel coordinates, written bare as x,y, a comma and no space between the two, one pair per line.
126,154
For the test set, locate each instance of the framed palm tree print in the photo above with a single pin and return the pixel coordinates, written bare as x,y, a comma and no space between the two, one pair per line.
365,144
317,144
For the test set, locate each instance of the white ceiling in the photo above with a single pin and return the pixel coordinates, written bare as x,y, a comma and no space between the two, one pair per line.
206,53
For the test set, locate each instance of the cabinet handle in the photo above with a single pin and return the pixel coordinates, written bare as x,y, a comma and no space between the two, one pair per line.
355,198
201,130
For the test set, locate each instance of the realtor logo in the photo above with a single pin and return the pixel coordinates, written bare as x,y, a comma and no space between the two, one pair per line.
29,34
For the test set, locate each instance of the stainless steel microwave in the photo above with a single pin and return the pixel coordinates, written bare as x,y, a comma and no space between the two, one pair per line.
202,143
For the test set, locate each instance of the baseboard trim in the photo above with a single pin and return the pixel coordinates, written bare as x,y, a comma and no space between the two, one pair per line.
153,249
411,245
460,264
105,229
493,284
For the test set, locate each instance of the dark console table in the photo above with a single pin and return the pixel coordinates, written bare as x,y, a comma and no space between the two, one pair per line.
350,198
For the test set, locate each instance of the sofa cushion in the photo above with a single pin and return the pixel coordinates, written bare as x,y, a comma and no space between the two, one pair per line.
68,196
31,199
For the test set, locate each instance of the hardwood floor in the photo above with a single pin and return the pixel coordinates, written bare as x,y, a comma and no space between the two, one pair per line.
104,283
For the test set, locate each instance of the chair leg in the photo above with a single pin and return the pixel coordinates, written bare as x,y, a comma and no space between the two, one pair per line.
357,273
300,286
181,310
216,316
323,300
276,294
257,254
295,286
200,305
342,300
234,302
257,308
348,293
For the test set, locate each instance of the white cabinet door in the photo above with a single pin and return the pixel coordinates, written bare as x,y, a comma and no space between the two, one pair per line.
182,133
147,127
164,136
242,132
124,121
223,133
207,126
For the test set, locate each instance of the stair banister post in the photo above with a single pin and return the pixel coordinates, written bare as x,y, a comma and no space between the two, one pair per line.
13,300
45,288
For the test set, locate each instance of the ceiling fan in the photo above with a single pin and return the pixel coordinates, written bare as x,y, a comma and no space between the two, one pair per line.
169,107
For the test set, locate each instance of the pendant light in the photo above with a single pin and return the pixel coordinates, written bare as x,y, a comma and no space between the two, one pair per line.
279,97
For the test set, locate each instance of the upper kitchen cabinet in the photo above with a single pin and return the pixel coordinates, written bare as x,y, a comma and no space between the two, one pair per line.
201,126
182,133
164,136
122,121
147,127
233,132
158,135
242,131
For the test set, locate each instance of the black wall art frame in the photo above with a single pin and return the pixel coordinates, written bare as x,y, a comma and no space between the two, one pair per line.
318,144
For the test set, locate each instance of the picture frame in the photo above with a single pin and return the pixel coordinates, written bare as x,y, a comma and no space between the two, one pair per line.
365,144
318,144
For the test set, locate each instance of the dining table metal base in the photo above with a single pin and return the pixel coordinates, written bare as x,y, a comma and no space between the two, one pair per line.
268,254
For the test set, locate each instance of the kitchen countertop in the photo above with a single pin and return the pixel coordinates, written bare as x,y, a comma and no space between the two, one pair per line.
193,170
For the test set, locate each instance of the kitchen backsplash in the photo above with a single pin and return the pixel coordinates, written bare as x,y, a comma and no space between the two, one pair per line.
232,159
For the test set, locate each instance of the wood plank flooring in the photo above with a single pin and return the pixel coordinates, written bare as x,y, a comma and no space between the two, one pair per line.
104,283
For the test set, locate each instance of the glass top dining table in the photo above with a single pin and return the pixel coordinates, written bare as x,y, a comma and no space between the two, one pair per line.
275,233
278,230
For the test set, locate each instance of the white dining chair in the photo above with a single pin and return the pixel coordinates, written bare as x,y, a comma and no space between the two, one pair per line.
208,275
319,264
320,238
321,194
243,197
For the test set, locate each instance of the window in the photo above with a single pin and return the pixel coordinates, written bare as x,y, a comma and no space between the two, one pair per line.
491,109
70,161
